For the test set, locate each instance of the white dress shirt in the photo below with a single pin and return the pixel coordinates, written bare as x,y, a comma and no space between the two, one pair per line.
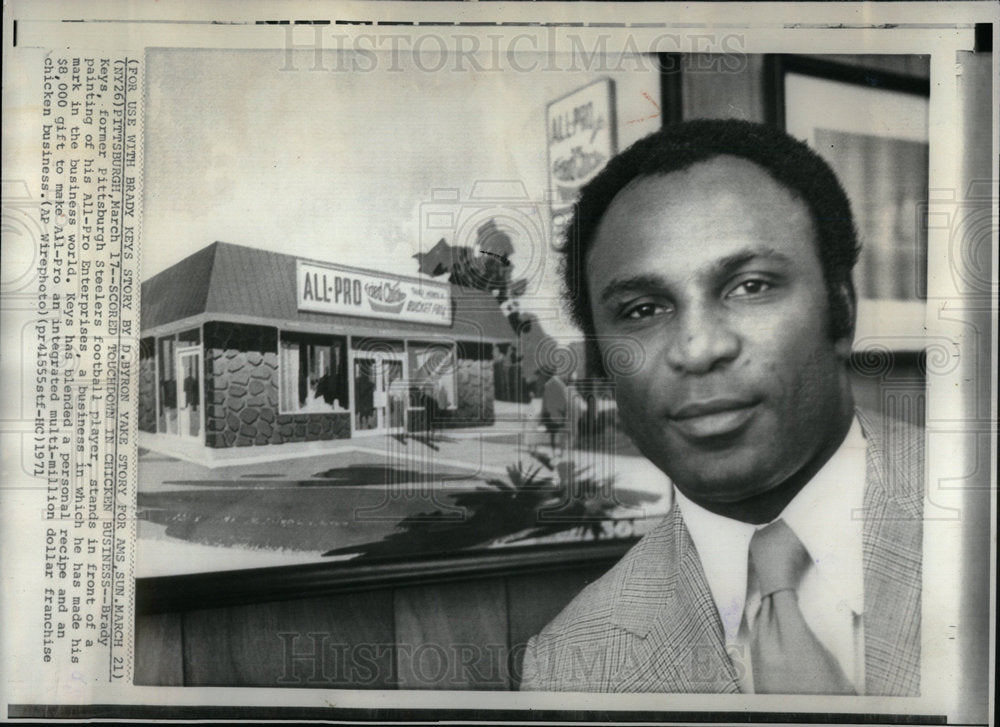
826,516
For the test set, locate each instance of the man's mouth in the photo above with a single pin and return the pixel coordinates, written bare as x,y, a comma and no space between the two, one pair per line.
713,417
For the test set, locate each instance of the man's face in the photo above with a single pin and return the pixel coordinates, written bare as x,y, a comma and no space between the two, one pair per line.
714,271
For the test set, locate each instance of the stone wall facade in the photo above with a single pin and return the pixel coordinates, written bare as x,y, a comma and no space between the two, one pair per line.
147,385
474,382
241,392
312,427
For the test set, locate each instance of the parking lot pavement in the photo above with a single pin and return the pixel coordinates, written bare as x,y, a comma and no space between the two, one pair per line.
331,495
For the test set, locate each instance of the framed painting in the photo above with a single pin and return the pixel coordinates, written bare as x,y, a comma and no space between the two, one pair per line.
871,124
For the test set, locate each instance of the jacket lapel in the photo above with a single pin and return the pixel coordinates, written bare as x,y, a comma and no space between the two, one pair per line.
892,549
665,604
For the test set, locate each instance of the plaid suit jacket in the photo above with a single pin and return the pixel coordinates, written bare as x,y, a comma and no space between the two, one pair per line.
650,624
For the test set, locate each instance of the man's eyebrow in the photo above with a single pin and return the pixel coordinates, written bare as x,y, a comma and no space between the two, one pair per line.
738,259
646,281
719,268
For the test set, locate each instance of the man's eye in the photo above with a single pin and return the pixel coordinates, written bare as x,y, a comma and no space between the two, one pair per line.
749,287
644,310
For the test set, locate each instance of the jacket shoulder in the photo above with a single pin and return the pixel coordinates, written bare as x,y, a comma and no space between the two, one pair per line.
579,650
896,458
592,606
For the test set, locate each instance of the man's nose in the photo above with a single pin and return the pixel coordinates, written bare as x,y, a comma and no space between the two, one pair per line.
702,341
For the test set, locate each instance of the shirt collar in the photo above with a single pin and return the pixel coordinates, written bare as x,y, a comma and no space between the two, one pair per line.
825,516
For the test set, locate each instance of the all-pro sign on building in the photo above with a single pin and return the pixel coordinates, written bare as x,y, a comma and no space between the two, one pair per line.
345,291
244,347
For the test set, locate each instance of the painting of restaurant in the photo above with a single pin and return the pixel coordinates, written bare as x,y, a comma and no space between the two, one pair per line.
244,347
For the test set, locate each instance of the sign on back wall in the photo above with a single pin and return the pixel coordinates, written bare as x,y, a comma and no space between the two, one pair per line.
582,137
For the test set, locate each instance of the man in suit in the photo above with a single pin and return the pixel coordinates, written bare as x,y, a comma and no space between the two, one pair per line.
790,561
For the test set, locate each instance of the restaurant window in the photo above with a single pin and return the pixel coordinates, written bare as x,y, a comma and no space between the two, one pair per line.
432,373
313,373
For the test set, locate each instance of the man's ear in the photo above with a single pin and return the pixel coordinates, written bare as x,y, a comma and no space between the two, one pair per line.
848,306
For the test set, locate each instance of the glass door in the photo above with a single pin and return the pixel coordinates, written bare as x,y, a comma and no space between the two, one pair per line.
167,395
365,378
380,393
397,394
189,392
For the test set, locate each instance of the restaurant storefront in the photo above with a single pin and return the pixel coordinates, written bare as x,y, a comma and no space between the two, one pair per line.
244,347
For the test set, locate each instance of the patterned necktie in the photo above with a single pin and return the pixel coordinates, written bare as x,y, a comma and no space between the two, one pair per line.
787,657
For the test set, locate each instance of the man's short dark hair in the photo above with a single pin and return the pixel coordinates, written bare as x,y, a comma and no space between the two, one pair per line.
679,146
